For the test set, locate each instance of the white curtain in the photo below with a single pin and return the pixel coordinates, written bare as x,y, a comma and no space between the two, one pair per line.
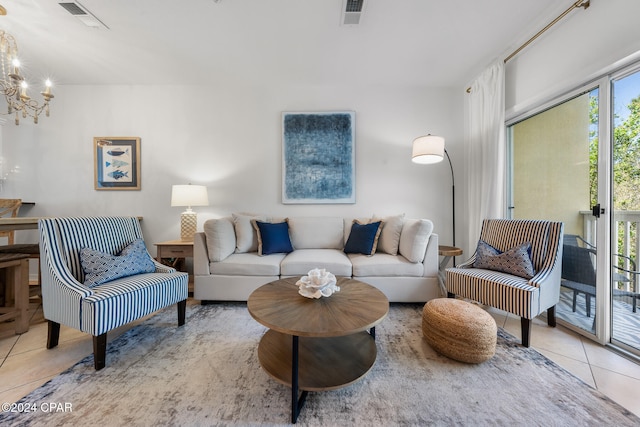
485,151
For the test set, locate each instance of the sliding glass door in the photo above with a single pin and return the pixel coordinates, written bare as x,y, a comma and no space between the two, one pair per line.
554,176
625,294
577,160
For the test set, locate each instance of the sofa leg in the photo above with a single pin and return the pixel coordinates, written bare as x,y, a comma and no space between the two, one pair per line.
551,316
53,334
99,351
182,309
451,295
525,327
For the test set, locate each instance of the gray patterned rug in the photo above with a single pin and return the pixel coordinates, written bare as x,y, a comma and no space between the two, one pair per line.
207,373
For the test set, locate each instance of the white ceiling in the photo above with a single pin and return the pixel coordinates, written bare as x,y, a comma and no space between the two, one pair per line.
271,42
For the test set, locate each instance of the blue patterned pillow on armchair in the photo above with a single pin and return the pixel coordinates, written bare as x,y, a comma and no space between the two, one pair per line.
516,261
100,267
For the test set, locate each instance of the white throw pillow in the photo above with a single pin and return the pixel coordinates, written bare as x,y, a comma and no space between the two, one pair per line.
246,236
414,239
390,236
220,237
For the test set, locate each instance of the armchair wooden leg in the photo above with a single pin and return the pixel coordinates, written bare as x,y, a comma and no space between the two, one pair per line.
99,351
551,316
525,327
53,334
182,309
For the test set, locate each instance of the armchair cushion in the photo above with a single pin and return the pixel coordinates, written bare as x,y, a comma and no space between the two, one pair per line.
100,267
516,261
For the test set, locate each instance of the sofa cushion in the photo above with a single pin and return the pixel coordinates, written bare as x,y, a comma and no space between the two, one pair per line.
316,233
246,237
363,238
390,235
273,238
248,264
384,265
220,238
100,267
414,239
300,261
516,261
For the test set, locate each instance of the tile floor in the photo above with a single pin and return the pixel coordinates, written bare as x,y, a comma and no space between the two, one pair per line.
25,363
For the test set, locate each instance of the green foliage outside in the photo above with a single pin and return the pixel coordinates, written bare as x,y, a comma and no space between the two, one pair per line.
626,164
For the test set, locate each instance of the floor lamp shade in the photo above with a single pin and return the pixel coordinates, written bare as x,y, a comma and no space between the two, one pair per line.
189,195
428,149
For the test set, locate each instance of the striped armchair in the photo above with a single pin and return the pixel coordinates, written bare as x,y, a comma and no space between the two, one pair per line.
523,297
99,309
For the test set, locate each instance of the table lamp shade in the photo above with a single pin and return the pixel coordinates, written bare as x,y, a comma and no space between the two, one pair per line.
189,195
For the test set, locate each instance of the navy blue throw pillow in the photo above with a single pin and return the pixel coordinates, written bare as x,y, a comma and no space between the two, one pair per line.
273,238
363,238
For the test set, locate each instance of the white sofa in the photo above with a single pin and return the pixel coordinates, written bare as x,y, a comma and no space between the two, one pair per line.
227,266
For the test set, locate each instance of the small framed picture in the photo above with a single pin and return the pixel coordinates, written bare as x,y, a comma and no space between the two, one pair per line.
117,163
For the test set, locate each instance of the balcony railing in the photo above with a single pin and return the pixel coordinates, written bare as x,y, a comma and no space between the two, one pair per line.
626,223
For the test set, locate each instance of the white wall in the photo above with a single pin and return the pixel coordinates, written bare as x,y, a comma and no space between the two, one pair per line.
577,49
229,139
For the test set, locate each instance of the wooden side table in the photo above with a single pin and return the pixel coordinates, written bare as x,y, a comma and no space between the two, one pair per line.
173,253
447,252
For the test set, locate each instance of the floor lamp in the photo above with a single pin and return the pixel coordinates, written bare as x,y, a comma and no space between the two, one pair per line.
430,149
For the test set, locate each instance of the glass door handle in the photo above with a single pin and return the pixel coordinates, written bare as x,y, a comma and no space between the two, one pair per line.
596,210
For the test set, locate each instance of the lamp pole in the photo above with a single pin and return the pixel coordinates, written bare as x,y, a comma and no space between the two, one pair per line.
453,202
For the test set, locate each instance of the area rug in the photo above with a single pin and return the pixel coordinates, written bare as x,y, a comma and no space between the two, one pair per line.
207,373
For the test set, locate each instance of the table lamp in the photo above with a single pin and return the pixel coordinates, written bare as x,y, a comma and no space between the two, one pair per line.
189,195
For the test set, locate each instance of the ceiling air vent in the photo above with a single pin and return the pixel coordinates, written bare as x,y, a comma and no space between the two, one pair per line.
352,12
81,12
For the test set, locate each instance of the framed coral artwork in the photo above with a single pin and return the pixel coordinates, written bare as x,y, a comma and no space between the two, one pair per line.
117,163
318,151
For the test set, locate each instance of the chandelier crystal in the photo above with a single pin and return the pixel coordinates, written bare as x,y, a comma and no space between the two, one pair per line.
14,86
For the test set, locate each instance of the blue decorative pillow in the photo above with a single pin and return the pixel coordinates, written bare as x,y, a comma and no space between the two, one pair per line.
516,261
100,267
273,238
363,238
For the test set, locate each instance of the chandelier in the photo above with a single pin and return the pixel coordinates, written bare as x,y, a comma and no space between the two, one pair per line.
14,86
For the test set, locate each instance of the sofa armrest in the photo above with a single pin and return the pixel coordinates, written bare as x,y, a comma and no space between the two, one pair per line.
430,261
200,255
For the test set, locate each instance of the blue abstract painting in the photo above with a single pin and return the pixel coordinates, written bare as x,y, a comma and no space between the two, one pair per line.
318,157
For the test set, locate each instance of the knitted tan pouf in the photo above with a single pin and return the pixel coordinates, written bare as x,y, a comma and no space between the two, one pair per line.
459,330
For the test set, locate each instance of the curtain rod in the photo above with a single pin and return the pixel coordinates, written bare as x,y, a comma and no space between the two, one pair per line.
580,3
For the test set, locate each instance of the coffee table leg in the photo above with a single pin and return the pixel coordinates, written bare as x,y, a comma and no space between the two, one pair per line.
296,403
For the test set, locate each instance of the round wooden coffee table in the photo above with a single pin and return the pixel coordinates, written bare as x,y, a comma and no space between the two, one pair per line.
317,344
